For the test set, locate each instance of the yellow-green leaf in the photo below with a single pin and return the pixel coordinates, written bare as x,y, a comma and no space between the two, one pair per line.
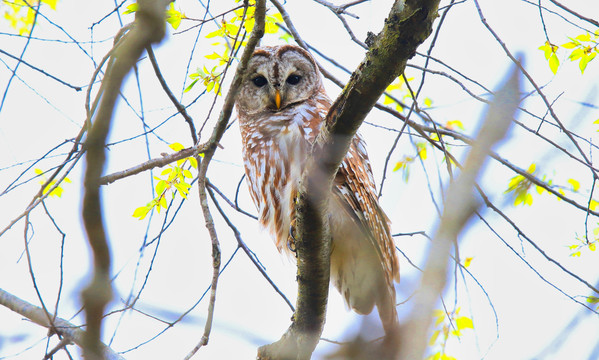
584,60
584,37
464,322
141,212
173,17
176,146
161,187
434,337
553,63
51,3
570,45
575,184
131,9
452,124
532,168
439,316
468,261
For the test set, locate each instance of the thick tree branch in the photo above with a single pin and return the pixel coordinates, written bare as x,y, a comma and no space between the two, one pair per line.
409,23
149,27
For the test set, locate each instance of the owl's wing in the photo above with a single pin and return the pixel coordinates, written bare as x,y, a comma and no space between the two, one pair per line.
355,184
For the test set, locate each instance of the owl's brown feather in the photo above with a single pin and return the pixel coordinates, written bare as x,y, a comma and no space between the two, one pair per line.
279,119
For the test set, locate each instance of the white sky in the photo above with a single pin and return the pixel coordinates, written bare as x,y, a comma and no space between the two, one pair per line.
248,312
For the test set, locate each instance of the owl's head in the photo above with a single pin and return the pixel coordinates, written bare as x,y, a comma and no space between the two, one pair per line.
277,78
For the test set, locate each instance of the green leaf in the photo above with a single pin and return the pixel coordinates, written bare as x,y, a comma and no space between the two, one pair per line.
439,316
532,168
190,86
161,187
421,147
142,211
468,262
176,146
576,54
593,300
464,322
584,60
584,37
51,3
553,63
434,337
131,9
173,17
547,49
575,184
570,45
453,124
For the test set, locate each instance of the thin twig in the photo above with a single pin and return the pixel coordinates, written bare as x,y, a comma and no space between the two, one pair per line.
217,133
180,108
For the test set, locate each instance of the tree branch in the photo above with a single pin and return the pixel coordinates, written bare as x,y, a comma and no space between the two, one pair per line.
217,133
40,317
153,163
149,27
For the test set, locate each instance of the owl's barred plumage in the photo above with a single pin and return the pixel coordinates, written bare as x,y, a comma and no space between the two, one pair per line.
281,108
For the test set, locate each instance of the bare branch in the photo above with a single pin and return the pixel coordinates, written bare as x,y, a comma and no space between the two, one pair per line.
153,163
149,27
582,17
171,96
217,133
63,327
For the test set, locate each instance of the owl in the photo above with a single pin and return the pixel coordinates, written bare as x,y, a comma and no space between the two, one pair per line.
281,107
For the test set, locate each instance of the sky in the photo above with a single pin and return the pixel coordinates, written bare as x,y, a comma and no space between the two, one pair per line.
515,313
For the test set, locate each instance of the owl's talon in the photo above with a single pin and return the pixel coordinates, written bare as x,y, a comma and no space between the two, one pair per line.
291,238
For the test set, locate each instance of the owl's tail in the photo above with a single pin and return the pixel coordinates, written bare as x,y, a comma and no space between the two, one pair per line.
357,272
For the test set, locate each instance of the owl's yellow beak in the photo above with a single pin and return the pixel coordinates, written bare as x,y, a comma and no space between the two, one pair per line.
278,99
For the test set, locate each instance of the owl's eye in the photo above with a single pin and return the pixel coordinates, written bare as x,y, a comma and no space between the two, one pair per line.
260,81
293,79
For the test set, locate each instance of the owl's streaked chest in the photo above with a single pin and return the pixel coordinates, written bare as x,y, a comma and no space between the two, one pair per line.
276,146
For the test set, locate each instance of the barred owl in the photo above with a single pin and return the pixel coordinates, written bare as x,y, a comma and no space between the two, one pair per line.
281,107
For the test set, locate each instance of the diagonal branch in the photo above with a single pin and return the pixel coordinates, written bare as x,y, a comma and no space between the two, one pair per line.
61,326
